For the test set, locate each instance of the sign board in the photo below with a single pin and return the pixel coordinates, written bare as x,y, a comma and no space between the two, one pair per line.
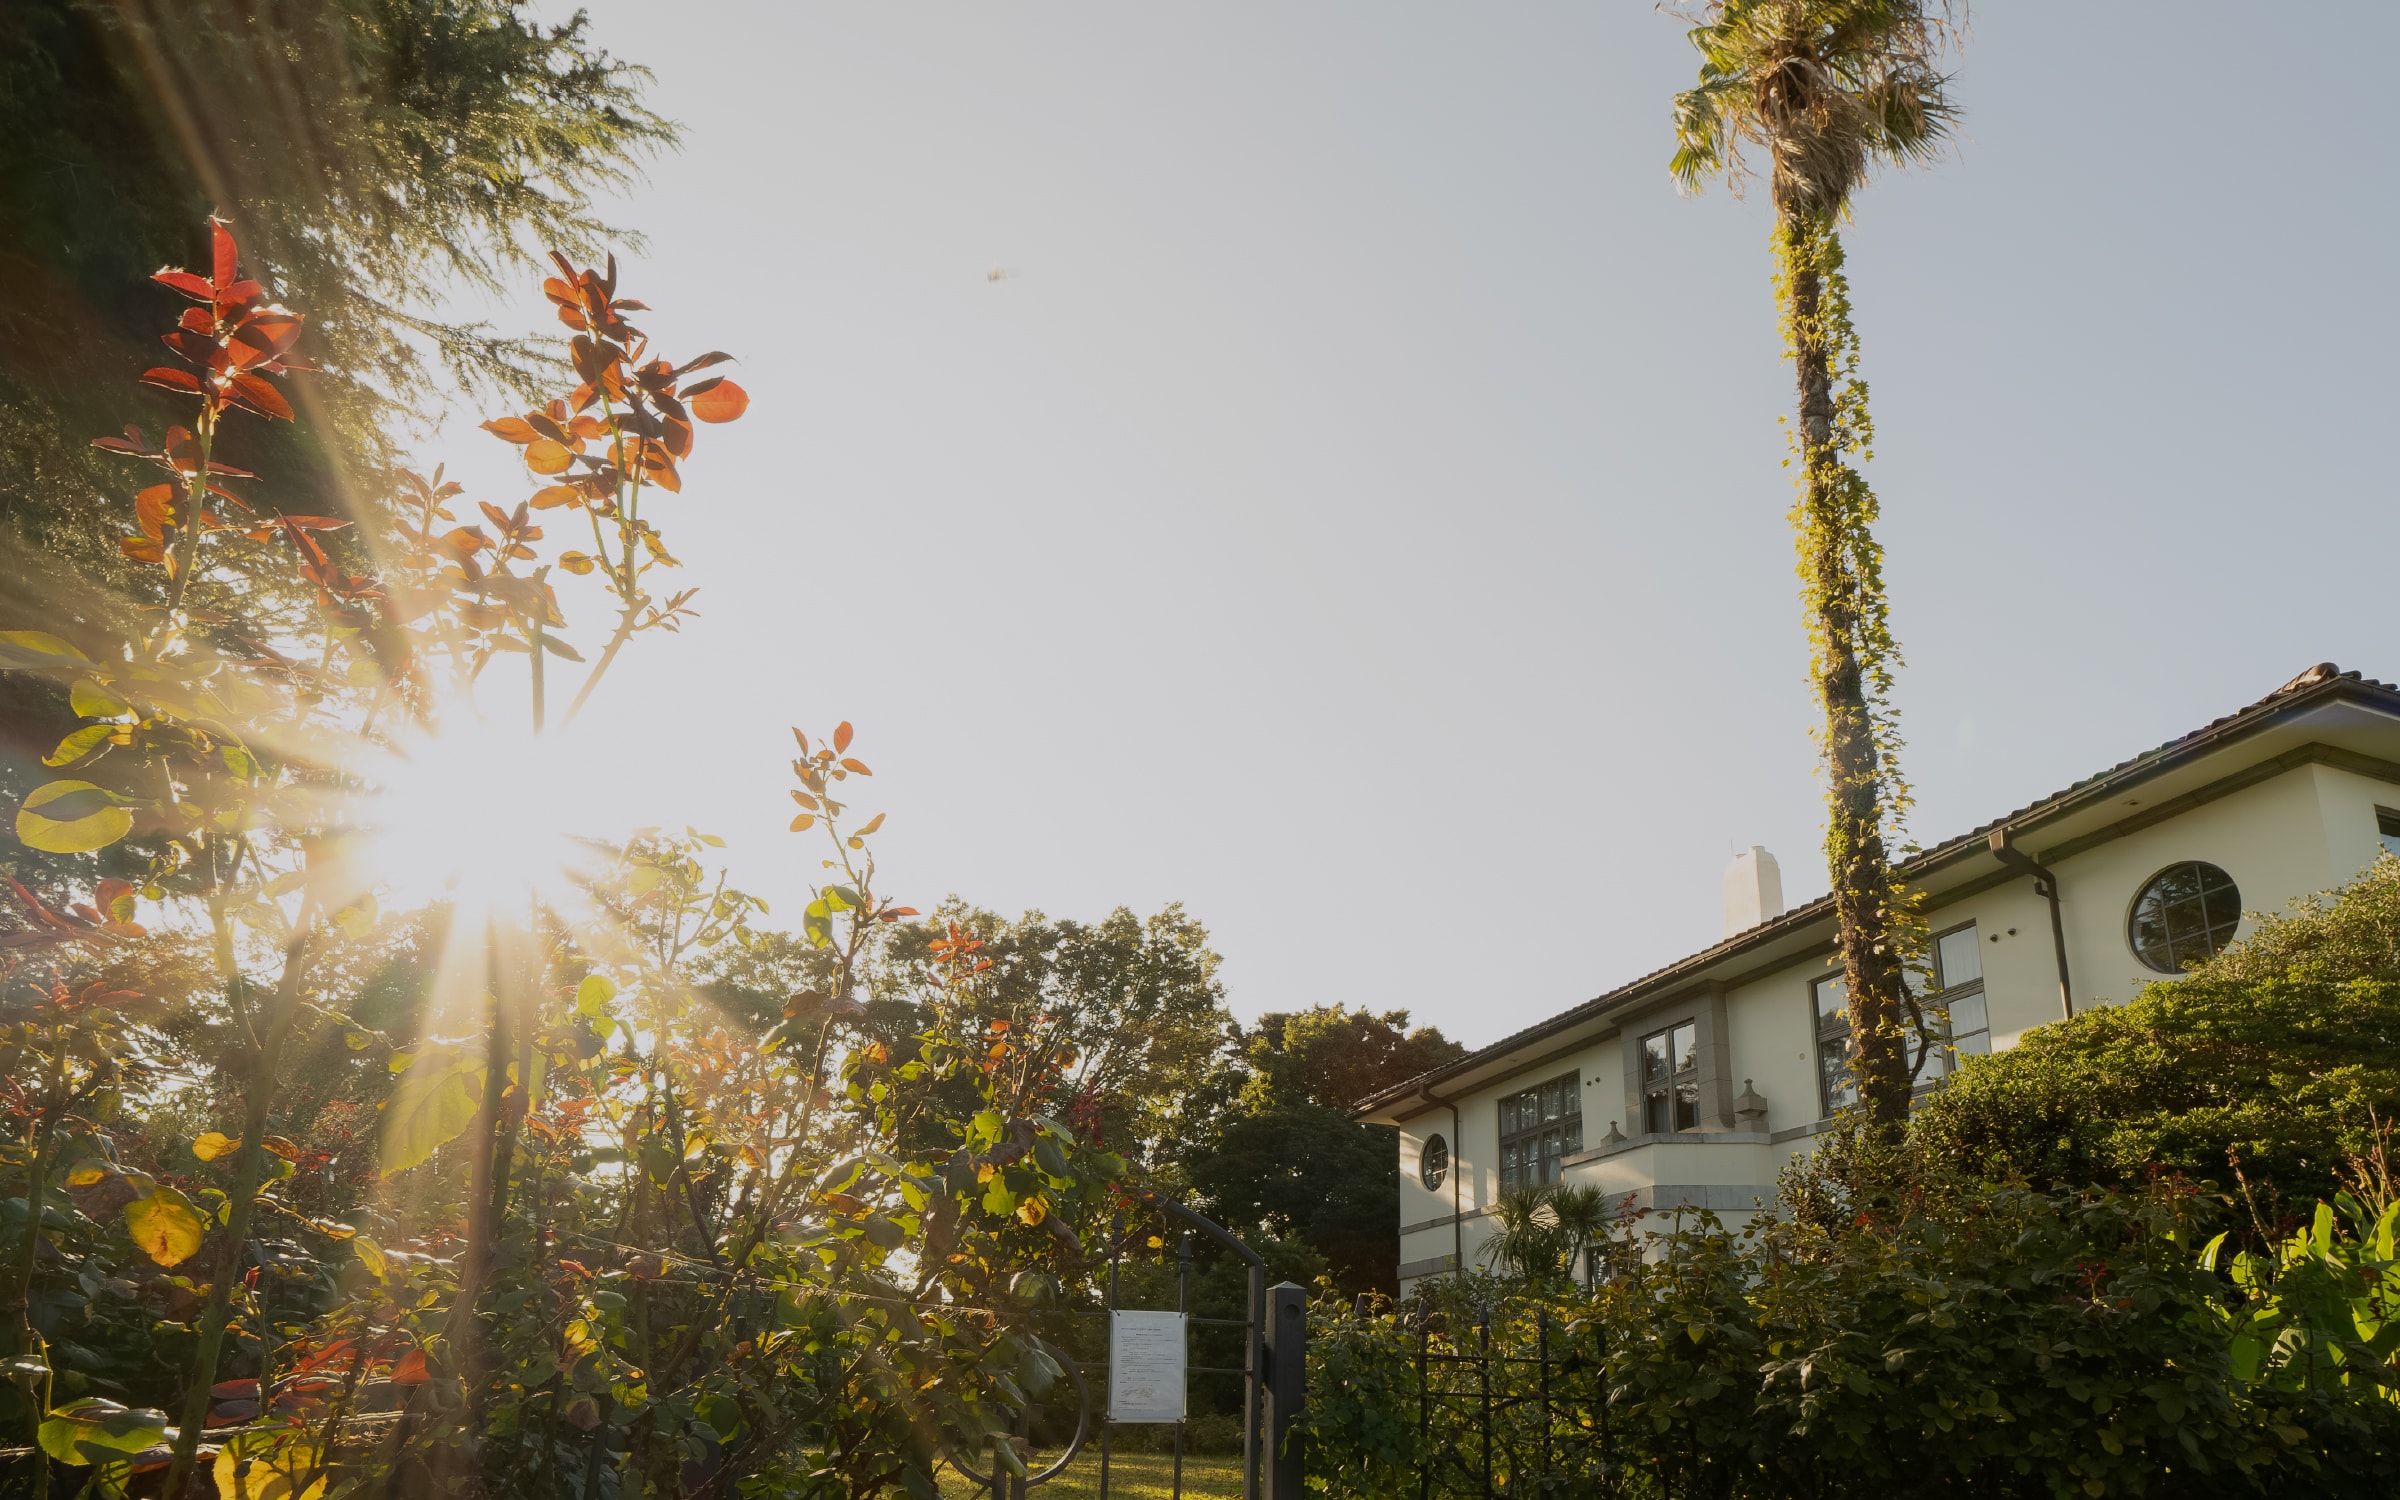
1145,1366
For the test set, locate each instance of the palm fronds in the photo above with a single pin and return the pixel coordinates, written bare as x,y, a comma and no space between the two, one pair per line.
1827,89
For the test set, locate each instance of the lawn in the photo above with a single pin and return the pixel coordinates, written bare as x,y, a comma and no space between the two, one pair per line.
1131,1476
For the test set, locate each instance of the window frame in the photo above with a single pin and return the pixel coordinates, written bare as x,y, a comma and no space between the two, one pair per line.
2387,828
2133,915
1433,1162
1678,1085
1945,994
1563,1129
1831,1079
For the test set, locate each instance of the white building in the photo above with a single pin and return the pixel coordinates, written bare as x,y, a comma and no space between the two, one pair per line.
1693,1085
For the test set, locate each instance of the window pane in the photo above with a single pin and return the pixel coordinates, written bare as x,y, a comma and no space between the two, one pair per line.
1570,1096
1686,1051
1687,1106
1833,1074
1550,1104
1574,1134
1654,1058
1833,1007
1970,1026
1958,959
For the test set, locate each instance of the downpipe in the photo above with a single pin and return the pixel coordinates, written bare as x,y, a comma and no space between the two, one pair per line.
2045,882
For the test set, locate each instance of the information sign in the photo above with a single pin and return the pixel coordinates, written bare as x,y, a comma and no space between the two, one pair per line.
1145,1366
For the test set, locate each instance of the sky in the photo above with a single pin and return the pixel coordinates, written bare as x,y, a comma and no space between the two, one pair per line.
1354,509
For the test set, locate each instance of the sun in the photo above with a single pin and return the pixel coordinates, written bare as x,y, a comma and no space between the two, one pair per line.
479,815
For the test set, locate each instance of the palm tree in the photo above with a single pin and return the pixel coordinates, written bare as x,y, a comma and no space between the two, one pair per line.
1826,91
1546,1229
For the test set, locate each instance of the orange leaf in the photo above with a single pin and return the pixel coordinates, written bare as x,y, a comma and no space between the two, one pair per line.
717,400
544,456
855,768
411,1370
553,496
514,429
804,821
841,737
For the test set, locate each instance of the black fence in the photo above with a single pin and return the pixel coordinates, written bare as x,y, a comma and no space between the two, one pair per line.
1514,1406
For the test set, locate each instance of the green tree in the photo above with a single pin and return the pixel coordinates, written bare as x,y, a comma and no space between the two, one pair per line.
1134,1001
1282,1158
1828,90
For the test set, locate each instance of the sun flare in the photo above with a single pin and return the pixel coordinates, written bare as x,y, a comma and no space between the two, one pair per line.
476,816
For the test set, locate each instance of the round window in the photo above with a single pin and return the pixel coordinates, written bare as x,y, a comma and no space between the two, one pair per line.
1433,1163
2185,913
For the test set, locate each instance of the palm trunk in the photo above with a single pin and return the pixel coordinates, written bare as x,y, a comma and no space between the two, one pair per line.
1856,859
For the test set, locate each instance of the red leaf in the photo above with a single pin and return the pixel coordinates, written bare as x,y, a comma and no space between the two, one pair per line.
228,259
186,283
313,523
410,1369
173,380
717,400
254,392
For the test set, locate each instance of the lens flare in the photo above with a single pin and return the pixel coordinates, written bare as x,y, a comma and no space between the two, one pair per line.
475,816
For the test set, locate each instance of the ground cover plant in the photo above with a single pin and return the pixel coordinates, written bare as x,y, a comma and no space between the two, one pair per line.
312,1197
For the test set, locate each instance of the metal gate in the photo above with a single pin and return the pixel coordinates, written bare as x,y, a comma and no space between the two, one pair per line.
1273,1373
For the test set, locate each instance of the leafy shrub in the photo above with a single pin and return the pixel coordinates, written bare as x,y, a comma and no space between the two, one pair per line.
2012,1342
2284,1051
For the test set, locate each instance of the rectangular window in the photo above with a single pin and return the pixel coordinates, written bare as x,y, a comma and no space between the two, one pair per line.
1955,1005
2387,828
1671,1080
1958,980
1539,1129
1836,1087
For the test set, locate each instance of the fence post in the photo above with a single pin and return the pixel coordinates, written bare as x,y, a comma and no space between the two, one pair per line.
1287,1387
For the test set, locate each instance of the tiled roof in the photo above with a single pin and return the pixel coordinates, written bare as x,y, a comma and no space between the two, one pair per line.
2323,680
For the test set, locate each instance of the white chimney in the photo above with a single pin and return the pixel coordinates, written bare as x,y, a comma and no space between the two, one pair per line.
1753,890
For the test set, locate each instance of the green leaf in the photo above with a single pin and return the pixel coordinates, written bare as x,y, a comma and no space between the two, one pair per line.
239,761
369,1255
592,996
92,701
79,744
71,817
97,1431
557,647
37,651
166,1227
357,920
432,1104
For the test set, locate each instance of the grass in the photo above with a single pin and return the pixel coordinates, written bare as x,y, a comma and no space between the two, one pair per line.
1131,1476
